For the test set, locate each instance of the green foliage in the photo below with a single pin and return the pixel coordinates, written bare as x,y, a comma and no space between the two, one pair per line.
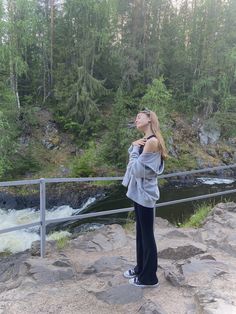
93,48
85,165
119,136
159,99
62,243
77,108
185,161
227,123
7,143
198,217
22,164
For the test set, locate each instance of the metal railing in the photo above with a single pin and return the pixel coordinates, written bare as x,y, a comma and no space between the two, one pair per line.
42,182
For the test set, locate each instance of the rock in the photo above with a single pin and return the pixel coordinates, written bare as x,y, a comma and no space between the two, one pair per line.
44,273
230,206
108,263
51,139
199,273
199,262
87,227
207,256
176,234
234,157
108,238
208,136
232,141
172,148
7,201
123,294
12,267
211,303
150,307
61,263
35,248
162,223
211,151
178,251
174,277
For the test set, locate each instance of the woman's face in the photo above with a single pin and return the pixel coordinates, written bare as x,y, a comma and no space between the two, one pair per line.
141,121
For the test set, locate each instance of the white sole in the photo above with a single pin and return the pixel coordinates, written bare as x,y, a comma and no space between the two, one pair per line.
144,286
129,277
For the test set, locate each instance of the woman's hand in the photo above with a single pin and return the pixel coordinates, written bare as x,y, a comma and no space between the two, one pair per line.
139,142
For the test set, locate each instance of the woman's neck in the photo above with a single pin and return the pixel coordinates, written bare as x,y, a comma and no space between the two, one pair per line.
148,133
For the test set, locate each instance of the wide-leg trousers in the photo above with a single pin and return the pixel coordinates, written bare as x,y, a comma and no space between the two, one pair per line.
146,249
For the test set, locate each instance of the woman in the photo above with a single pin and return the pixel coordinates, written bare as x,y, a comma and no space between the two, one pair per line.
146,161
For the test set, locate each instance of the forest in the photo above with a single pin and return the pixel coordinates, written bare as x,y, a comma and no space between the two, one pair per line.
94,63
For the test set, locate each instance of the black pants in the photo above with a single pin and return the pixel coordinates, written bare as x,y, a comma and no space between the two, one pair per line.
146,249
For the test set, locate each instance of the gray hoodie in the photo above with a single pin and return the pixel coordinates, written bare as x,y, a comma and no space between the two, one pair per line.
141,176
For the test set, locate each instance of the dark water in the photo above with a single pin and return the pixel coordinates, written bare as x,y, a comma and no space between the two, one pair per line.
174,213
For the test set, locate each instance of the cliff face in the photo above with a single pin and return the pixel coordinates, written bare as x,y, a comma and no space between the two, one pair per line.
197,272
47,151
194,144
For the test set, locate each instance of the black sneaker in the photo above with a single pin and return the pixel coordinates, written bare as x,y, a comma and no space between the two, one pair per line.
135,282
130,273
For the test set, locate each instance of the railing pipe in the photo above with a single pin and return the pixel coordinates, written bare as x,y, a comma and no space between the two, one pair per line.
42,182
42,217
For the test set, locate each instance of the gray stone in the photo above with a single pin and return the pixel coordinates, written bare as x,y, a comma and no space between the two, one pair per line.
35,247
108,238
229,206
44,275
108,263
150,307
123,294
208,136
181,251
61,263
207,256
234,157
199,273
176,234
174,277
89,270
12,267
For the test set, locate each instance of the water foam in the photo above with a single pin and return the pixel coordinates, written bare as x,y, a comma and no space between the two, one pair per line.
212,181
21,240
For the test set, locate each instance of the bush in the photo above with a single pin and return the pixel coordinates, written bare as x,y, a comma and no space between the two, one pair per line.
85,165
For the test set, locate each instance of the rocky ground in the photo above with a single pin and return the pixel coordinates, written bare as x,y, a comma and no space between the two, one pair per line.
197,272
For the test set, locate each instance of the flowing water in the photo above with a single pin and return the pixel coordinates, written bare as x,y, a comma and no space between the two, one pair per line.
21,240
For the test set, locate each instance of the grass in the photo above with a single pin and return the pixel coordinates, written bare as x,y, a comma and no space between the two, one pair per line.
5,253
129,226
198,217
62,242
61,237
104,183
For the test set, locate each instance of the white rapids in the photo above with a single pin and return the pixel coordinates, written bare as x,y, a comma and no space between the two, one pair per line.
20,240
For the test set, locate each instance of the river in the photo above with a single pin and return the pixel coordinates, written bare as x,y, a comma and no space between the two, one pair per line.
21,240
173,213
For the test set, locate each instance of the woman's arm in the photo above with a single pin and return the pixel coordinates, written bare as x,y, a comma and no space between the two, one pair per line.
136,167
151,146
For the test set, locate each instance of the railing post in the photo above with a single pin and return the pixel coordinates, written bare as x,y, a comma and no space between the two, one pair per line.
42,217
154,216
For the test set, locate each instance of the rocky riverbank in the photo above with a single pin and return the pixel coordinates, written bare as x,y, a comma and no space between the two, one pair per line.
197,272
73,194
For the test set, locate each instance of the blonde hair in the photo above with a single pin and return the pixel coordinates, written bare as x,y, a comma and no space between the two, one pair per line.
155,127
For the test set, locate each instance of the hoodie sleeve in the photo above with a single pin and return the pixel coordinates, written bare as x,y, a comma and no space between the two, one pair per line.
141,166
